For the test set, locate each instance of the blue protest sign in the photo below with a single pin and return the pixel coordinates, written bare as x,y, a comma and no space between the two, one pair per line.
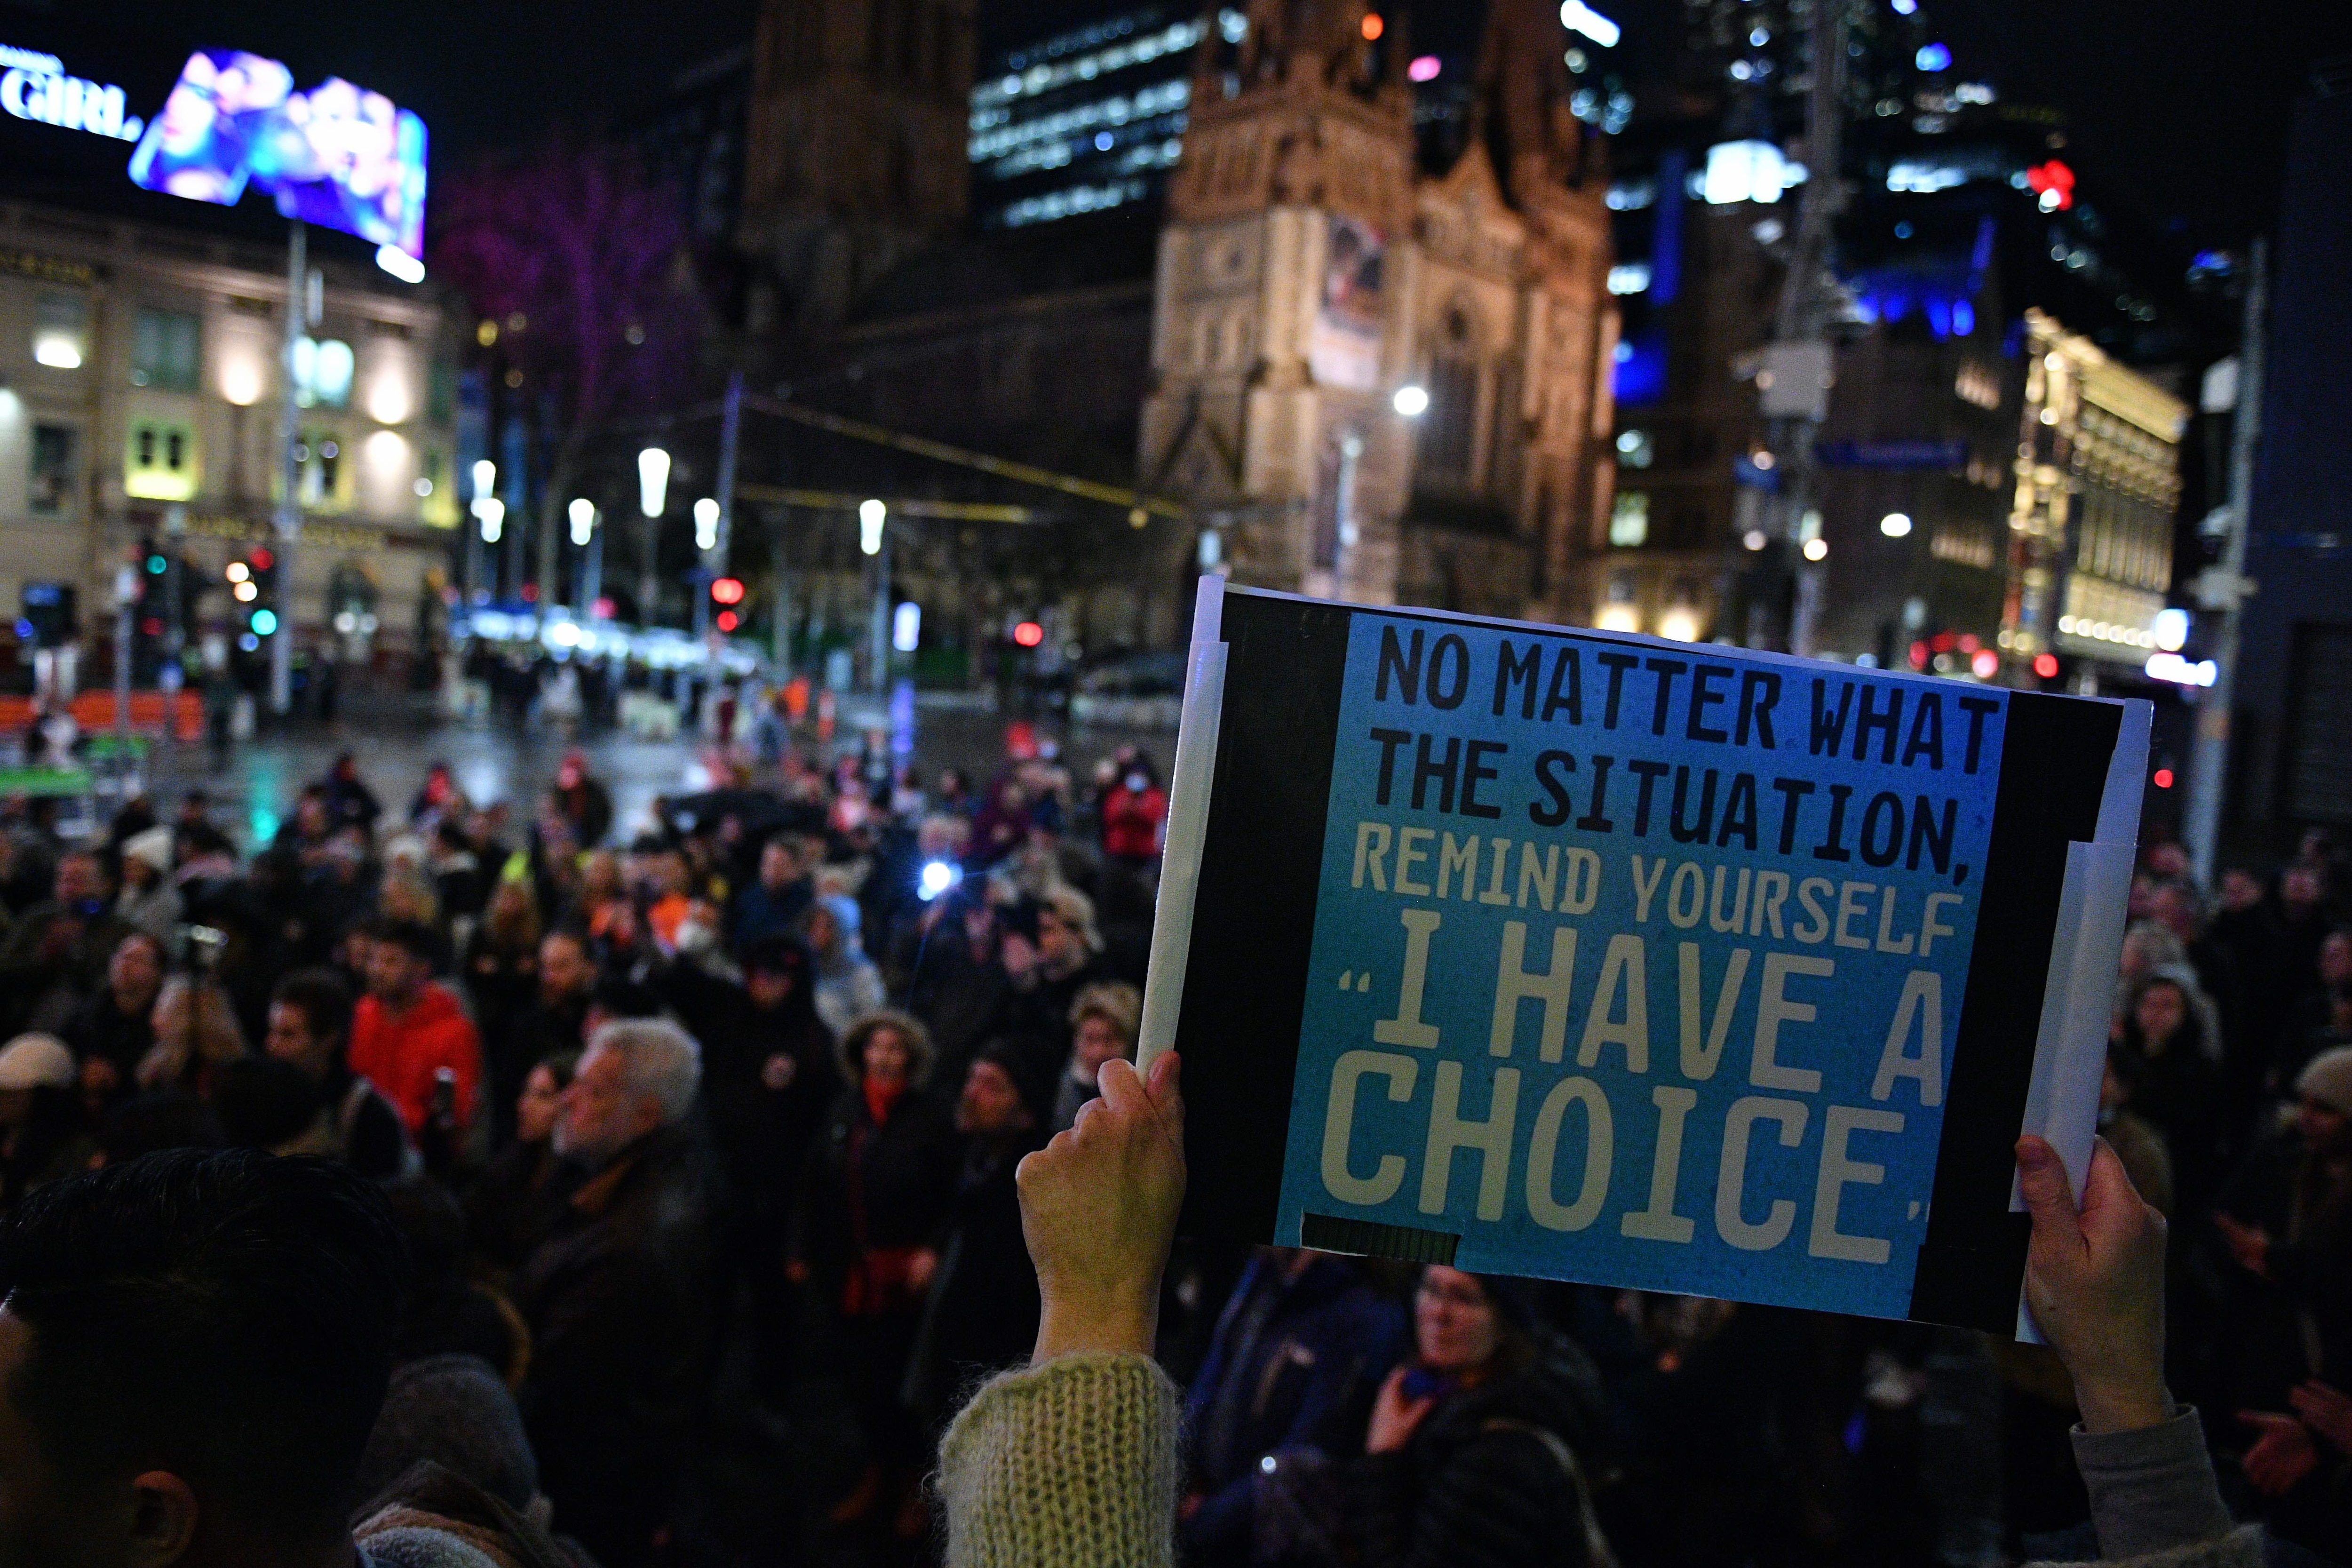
1669,966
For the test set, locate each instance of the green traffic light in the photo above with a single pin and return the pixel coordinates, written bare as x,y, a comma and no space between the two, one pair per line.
264,622
156,565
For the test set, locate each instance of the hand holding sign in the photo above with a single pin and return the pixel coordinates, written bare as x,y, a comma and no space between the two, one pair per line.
1098,1208
2094,1279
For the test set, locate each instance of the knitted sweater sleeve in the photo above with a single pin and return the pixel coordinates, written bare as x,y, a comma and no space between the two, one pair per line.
1073,1462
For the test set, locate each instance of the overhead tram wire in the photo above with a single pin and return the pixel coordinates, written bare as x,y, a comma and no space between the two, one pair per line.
941,451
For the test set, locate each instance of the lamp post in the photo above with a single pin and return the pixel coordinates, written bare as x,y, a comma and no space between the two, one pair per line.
707,568
653,495
588,578
478,561
871,516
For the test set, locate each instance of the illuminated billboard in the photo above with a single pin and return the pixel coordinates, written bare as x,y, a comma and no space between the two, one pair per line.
337,155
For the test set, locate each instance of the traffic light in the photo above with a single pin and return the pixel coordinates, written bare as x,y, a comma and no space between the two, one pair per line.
727,592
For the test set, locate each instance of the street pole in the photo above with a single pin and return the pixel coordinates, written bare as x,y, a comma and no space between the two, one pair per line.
290,505
126,594
731,429
1803,317
882,620
781,633
2209,763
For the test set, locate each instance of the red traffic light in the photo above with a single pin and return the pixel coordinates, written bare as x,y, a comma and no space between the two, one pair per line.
1028,634
727,621
2163,778
727,590
263,559
2045,665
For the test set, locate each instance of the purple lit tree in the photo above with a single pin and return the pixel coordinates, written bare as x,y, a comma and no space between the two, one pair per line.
584,266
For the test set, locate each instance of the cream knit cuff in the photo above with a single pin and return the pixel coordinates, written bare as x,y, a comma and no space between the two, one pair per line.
1071,1464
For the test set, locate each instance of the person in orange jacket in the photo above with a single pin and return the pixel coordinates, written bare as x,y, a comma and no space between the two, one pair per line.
407,1027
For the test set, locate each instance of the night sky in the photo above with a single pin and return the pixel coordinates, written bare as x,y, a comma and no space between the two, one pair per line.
2178,107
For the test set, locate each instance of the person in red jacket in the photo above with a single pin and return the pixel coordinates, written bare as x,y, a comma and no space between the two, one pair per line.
407,1027
1134,811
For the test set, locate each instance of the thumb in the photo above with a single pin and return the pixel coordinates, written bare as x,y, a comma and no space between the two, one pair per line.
2041,1180
1165,1086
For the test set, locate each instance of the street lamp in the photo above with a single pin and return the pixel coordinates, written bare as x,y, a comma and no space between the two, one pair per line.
653,480
871,515
653,495
588,584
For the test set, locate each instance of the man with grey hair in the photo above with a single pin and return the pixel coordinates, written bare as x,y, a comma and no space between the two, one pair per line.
615,1291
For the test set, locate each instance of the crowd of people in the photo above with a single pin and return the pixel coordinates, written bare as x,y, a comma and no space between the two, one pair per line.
700,1131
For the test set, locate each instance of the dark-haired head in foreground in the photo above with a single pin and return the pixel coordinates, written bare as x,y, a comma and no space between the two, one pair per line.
193,1348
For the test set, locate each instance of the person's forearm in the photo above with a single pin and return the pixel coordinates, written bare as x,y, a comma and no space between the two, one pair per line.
2151,1486
1074,1462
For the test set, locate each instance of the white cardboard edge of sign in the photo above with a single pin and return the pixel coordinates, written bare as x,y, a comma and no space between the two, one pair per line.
1194,772
2070,1049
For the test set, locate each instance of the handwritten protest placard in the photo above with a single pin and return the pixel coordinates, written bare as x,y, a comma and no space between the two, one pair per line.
1562,953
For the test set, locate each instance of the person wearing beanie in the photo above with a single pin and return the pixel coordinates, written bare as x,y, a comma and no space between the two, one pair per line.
1474,1440
2284,1220
1103,1024
44,1126
983,1310
1048,975
149,900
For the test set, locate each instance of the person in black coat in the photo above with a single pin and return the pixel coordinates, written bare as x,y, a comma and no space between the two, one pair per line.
1472,1454
616,1294
866,1227
983,1307
768,1082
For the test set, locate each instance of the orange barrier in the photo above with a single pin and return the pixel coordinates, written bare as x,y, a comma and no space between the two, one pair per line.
94,712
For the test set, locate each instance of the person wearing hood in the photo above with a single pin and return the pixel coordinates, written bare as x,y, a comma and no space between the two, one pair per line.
1471,1455
149,901
848,986
2175,1083
1298,1352
583,803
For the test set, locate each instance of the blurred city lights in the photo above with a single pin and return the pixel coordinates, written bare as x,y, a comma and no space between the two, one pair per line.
706,523
486,477
2171,628
1424,67
583,513
871,515
907,627
1373,25
264,622
2045,665
1579,17
1028,634
1817,549
2163,779
937,877
1894,524
653,481
1412,401
1985,663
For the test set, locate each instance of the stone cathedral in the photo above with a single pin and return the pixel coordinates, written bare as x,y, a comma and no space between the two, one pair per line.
1322,255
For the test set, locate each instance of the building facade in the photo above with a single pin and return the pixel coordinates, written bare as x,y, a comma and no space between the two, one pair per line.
1379,364
2097,483
1087,119
142,371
